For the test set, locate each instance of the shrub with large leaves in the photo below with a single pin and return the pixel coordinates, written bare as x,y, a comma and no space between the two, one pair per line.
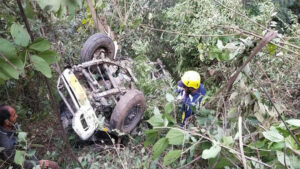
21,53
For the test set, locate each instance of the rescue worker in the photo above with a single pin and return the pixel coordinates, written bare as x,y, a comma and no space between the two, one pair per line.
8,141
192,91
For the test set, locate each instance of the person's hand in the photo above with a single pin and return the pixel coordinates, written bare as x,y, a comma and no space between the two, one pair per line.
46,164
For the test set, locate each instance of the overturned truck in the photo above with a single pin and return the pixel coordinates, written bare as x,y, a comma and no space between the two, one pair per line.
98,87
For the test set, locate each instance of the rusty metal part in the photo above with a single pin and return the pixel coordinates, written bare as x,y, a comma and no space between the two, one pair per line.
103,61
109,92
90,80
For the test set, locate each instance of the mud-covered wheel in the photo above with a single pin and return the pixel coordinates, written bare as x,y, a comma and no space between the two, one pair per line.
128,111
91,47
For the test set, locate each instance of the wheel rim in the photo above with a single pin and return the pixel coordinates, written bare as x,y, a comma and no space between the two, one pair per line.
132,116
97,53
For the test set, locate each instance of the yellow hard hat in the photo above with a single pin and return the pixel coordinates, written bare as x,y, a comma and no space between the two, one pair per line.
191,79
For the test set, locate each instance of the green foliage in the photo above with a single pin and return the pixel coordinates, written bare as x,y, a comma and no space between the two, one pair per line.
156,120
41,65
19,157
13,62
49,56
271,49
175,137
168,108
159,147
215,57
61,7
273,136
172,156
8,49
7,71
40,45
20,35
212,152
294,122
151,136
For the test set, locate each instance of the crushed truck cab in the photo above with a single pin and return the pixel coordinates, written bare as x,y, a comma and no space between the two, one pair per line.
100,86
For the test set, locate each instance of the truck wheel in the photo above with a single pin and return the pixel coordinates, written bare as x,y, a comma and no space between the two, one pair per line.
128,111
91,47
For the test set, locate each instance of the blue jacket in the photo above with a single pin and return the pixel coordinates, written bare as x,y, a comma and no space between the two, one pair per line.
189,100
8,141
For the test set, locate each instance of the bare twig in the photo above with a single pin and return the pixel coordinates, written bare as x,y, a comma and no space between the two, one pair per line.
230,160
224,115
216,162
296,37
284,156
128,12
25,20
231,150
117,7
269,36
50,140
196,159
285,43
94,16
241,142
200,139
190,35
262,26
252,138
117,150
9,62
279,115
245,32
297,152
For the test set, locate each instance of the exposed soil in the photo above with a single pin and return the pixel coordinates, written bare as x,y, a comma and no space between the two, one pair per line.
43,133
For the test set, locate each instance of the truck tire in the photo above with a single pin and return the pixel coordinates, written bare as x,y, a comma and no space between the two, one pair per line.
95,42
128,111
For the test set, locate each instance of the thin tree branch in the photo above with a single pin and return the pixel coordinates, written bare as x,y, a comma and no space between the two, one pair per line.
196,159
53,103
286,43
280,117
245,32
230,160
98,25
268,37
284,156
200,139
254,141
128,12
231,150
117,7
216,162
190,35
241,142
25,20
262,26
7,61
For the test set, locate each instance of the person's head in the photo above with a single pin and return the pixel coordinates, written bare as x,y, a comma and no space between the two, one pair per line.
191,81
8,116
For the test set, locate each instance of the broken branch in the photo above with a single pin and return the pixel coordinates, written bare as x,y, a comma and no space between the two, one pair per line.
268,37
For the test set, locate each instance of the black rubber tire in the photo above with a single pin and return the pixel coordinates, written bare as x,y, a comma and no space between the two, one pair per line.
132,100
94,42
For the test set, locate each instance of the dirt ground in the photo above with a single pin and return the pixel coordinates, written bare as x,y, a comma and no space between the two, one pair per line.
43,135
